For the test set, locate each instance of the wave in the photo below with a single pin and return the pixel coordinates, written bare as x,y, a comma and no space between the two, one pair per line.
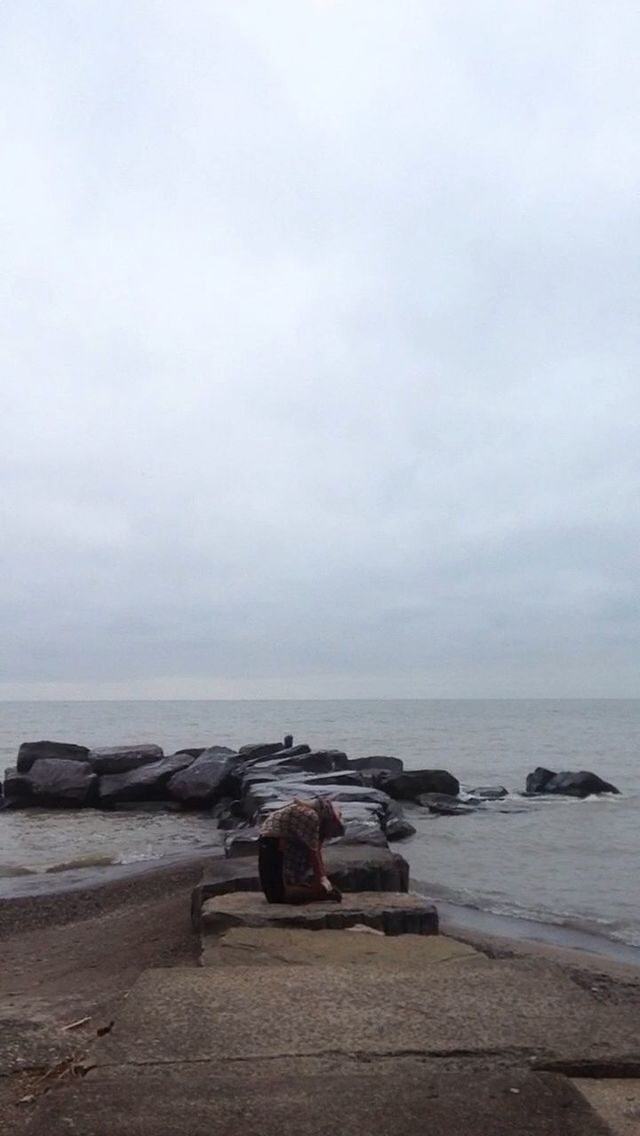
610,929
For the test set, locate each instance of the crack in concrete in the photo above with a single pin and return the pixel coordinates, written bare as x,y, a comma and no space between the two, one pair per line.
514,1052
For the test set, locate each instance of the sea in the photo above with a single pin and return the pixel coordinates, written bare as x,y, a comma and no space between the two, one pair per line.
557,861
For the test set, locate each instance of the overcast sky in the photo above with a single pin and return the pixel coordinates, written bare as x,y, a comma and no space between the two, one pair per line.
319,348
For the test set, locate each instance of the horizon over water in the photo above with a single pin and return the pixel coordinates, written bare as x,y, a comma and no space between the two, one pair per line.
557,860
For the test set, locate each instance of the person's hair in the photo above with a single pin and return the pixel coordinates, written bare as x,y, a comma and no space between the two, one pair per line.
330,824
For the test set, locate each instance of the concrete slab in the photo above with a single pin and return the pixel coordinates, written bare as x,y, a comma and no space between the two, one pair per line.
27,1044
478,1006
312,1098
282,946
393,914
616,1101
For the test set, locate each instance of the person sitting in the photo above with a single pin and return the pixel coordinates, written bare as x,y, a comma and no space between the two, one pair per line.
290,852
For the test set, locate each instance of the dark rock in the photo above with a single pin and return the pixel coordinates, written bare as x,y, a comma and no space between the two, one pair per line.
288,741
396,826
443,805
489,793
259,749
408,786
567,784
205,780
16,789
581,784
195,751
539,779
228,814
309,761
33,751
242,842
390,764
120,759
55,781
286,753
147,783
361,830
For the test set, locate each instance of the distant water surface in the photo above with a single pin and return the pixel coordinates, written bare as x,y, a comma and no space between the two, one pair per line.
555,860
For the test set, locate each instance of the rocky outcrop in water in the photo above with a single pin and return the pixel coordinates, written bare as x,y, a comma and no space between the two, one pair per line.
121,759
568,784
33,751
409,785
56,781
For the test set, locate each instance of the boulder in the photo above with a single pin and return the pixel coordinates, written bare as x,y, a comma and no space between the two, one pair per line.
194,751
389,764
259,749
488,793
16,789
120,759
539,779
580,784
568,784
408,786
285,751
316,761
243,842
396,826
444,805
205,780
33,751
55,781
146,783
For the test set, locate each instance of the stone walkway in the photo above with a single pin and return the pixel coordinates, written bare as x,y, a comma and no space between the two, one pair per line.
345,1031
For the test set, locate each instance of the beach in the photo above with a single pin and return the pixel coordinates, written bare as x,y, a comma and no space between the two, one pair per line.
76,960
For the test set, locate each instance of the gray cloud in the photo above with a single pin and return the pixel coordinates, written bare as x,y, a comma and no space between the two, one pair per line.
319,346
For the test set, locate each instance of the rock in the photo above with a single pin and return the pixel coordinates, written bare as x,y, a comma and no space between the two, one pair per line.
195,751
361,830
396,826
33,751
288,741
56,781
539,779
488,793
392,914
205,780
408,786
259,749
285,752
316,761
444,805
389,764
581,784
16,789
147,783
568,784
120,759
242,842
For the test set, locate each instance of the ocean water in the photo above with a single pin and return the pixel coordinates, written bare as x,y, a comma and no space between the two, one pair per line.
555,860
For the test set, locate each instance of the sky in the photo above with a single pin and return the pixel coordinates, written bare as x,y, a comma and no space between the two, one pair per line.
319,345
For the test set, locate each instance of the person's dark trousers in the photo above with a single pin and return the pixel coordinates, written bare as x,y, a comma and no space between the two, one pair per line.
270,867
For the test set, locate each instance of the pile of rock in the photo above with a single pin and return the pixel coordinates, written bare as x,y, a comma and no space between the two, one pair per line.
239,787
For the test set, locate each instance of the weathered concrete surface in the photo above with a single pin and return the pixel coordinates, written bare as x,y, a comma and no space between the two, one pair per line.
476,1006
31,1044
392,913
312,1098
289,946
616,1101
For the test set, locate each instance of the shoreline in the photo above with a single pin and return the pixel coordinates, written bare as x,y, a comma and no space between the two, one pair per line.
41,900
